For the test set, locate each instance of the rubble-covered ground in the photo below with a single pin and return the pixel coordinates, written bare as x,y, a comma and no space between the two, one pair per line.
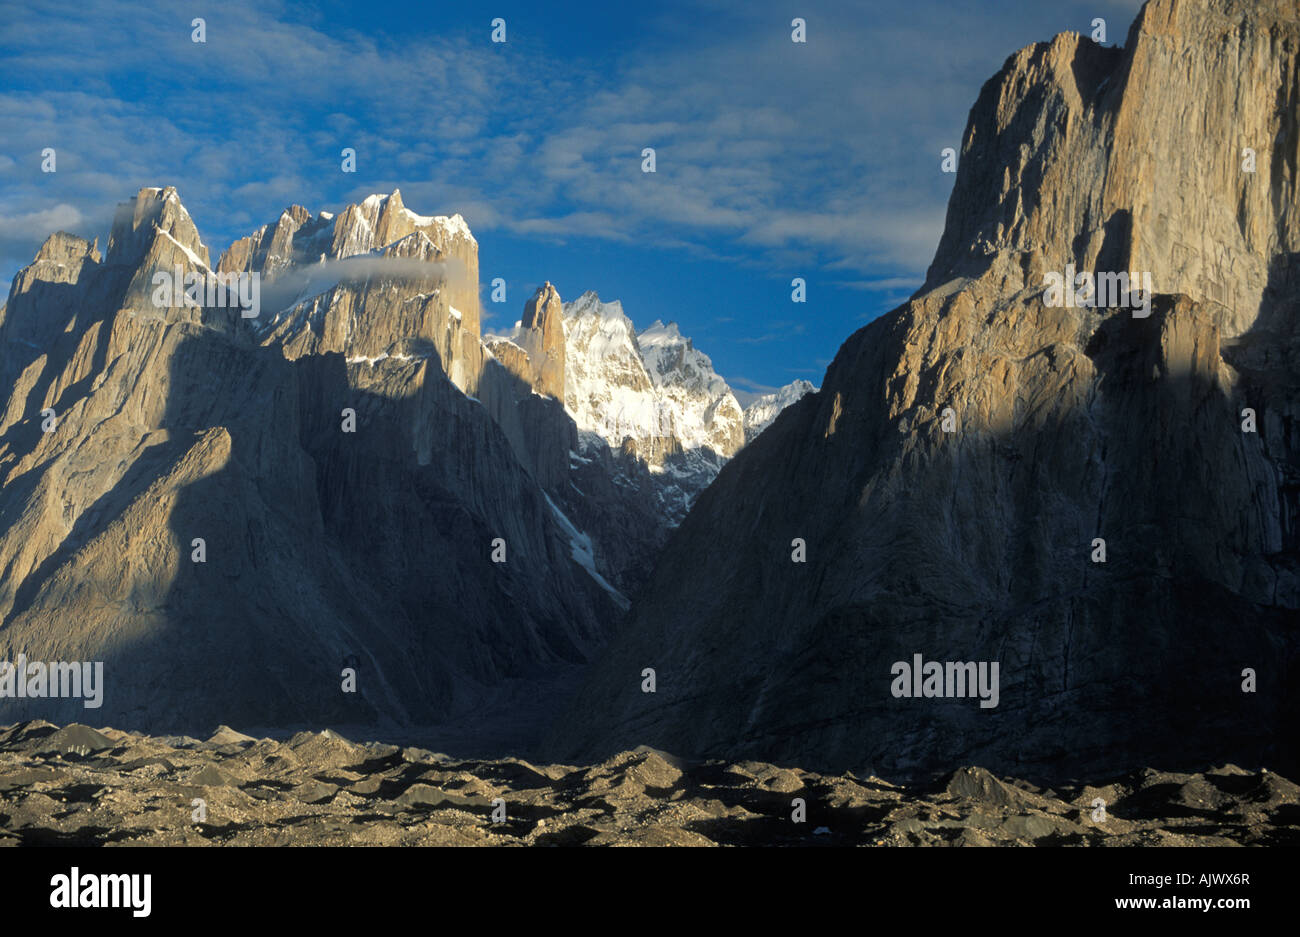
78,785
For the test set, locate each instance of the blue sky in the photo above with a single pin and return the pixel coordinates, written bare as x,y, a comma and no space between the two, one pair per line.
774,159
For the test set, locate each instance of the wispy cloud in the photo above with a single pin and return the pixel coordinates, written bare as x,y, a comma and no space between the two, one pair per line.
883,285
775,331
753,387
787,151
17,229
788,158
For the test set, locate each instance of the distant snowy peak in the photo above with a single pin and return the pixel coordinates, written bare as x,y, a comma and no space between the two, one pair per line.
597,333
653,387
673,361
607,389
589,304
763,410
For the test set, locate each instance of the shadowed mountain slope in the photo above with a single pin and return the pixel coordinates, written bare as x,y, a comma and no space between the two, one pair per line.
966,451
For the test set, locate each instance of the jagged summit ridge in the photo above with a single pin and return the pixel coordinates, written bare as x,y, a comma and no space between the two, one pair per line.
376,226
652,387
137,223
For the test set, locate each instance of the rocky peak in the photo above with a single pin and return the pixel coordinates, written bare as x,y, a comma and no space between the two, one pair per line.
372,226
543,309
534,350
352,233
36,314
1079,154
543,338
362,280
393,221
64,249
151,214
154,235
345,488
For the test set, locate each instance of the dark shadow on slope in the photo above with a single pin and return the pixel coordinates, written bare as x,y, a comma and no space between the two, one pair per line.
327,548
1103,666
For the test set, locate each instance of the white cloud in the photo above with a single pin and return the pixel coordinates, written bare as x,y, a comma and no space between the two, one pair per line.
769,152
18,229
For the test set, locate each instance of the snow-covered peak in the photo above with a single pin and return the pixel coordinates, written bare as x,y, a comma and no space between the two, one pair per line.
652,386
589,304
367,227
455,226
659,334
674,361
763,410
606,387
452,227
374,206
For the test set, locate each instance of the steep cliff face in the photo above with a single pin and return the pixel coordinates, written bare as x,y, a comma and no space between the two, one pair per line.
950,486
530,400
1135,158
229,511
